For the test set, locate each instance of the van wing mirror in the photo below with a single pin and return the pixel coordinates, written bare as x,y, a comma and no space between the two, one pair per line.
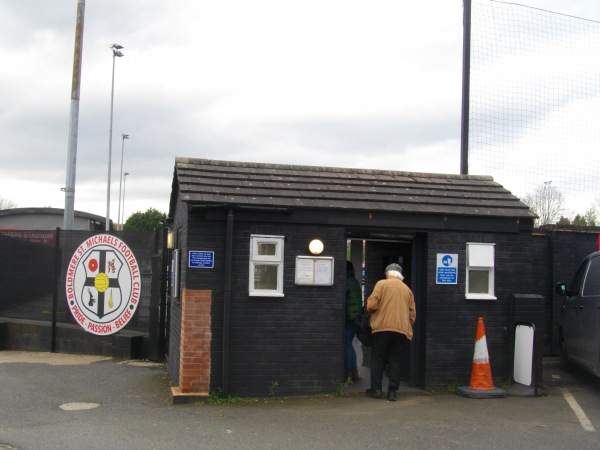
561,288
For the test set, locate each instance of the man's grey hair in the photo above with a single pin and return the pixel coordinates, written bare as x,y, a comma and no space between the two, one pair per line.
394,274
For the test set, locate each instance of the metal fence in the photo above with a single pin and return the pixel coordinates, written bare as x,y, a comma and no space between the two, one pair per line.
33,268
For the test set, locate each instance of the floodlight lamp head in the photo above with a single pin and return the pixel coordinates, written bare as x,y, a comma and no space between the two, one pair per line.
125,136
116,46
117,53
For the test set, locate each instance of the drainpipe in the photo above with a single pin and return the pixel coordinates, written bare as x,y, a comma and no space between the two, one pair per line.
227,301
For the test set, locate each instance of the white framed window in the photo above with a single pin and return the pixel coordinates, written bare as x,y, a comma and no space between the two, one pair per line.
266,266
480,271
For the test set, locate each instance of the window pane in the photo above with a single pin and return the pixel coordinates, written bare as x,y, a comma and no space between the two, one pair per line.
265,277
480,255
479,281
578,279
267,249
592,280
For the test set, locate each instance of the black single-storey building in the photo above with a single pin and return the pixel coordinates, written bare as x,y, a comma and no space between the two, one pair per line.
252,308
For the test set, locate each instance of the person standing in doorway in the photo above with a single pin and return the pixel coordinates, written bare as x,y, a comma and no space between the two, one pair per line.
393,312
353,307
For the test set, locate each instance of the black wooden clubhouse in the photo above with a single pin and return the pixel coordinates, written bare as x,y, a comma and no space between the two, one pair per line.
235,223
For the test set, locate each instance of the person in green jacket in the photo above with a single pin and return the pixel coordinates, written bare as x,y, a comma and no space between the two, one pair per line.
353,307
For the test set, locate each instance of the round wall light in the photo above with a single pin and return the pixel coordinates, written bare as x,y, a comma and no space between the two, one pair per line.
316,247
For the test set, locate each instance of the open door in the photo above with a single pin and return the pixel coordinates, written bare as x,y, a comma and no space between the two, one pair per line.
376,255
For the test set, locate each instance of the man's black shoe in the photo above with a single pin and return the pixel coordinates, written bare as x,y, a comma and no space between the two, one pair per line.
374,393
392,396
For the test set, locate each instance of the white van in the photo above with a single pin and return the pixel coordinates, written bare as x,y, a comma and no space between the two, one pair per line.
579,332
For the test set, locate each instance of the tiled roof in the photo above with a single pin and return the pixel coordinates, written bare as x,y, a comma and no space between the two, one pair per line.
202,181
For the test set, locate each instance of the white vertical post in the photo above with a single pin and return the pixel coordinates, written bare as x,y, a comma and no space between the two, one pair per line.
116,52
124,136
124,179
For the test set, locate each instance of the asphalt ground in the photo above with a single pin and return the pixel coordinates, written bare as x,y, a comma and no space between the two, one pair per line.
57,401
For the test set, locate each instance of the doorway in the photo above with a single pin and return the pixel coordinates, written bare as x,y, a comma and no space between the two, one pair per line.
372,256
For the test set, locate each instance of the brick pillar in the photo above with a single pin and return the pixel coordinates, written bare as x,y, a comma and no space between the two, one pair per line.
194,364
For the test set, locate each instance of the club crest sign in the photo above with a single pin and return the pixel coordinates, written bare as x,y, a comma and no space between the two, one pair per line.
103,284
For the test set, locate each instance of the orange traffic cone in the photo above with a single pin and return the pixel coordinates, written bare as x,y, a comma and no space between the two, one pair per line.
481,375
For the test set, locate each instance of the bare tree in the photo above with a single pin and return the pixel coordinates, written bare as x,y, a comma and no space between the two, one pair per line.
591,217
547,202
7,204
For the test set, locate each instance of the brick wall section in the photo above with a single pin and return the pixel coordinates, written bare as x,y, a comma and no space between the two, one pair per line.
207,233
180,228
194,366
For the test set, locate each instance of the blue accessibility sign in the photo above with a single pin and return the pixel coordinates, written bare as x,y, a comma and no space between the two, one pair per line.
447,268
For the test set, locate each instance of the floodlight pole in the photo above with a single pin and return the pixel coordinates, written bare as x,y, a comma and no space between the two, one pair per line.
124,179
466,83
116,49
69,189
124,136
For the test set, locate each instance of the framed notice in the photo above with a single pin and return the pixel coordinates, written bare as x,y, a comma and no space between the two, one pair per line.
314,270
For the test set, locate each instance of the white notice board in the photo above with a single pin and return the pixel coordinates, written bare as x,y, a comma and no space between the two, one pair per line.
314,270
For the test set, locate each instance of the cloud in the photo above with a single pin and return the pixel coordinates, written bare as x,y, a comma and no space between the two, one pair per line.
342,83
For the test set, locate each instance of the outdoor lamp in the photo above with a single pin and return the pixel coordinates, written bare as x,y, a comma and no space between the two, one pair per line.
316,247
170,239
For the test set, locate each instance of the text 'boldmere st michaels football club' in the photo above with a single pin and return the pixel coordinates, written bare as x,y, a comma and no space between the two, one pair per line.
121,246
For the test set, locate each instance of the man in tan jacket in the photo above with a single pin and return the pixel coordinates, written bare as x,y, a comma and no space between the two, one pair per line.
392,309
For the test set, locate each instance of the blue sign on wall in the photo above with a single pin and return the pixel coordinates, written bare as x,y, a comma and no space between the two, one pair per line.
202,260
447,268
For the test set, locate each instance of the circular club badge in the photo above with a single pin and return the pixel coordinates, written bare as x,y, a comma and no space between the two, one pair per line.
103,284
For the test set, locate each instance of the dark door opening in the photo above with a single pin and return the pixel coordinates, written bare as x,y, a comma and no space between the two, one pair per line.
376,255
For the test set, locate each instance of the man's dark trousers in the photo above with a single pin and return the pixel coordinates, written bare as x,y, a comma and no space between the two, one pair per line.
386,350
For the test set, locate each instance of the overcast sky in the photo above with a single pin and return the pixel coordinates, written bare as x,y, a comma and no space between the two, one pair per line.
344,83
